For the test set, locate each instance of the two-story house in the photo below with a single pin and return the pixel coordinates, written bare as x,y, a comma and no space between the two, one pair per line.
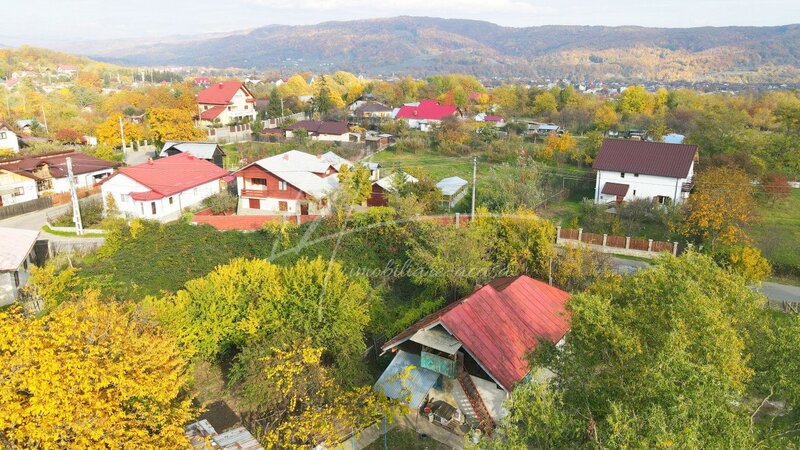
294,182
228,102
632,169
50,172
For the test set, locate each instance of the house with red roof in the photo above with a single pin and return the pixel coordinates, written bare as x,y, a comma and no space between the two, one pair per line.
50,174
425,114
225,103
162,189
470,354
630,169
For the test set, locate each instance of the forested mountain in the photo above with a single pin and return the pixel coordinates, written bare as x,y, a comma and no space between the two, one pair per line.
424,45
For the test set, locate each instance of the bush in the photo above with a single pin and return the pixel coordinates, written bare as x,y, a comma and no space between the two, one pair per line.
91,214
745,261
221,203
412,143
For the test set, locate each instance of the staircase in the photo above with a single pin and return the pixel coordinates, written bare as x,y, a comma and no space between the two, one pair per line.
476,402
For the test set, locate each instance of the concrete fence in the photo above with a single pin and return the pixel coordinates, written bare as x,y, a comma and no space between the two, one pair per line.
623,245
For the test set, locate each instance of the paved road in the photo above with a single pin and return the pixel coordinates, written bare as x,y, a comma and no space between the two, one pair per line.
37,219
773,291
138,157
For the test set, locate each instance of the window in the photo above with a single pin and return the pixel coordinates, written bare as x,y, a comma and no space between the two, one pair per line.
246,107
230,108
25,263
19,191
205,107
141,206
282,185
283,206
194,191
636,175
2,134
258,181
622,174
153,207
634,192
170,200
16,279
124,198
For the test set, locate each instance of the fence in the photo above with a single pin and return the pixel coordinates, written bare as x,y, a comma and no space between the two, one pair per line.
63,198
255,223
25,207
625,245
80,246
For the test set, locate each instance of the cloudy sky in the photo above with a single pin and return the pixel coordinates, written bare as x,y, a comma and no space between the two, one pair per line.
44,22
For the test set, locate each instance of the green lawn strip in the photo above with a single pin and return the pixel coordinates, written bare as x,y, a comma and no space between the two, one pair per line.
49,230
777,232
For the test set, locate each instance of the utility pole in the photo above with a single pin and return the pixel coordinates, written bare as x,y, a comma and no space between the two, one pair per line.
8,106
282,107
76,207
44,119
474,178
122,136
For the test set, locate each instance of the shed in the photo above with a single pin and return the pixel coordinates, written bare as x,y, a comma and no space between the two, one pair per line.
418,384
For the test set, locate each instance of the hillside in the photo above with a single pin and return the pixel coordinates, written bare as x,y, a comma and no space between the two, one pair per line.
423,45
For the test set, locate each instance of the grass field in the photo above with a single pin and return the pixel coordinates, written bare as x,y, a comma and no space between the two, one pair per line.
778,231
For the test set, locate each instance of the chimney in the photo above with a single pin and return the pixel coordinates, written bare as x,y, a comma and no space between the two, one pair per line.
319,156
286,156
220,85
150,161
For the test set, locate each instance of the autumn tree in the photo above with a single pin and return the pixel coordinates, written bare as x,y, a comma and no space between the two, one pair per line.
108,132
555,146
636,100
520,241
293,402
355,187
605,118
168,124
545,104
250,299
720,206
90,374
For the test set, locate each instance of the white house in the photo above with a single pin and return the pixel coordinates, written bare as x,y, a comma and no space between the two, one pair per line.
632,169
16,257
16,188
228,102
8,138
161,189
50,170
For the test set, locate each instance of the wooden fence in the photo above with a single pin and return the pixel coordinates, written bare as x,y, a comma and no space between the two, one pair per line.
63,198
646,248
25,207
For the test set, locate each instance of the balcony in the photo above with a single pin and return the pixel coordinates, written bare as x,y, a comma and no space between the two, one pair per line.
256,193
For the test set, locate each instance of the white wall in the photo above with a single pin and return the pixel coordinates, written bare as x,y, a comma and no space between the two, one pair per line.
84,180
641,186
8,289
8,140
121,186
10,183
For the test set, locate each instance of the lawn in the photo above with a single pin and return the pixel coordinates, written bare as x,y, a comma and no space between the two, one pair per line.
777,233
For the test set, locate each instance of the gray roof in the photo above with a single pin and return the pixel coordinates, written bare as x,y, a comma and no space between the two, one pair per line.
419,382
200,150
451,185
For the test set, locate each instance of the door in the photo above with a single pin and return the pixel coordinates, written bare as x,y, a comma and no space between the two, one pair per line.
254,203
304,209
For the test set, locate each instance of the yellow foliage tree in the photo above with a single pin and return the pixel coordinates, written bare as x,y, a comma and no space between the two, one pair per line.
295,86
555,145
90,375
605,118
108,131
719,207
170,124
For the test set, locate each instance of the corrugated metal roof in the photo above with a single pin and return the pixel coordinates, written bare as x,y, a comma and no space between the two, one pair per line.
500,323
237,439
202,150
418,384
438,339
648,158
451,185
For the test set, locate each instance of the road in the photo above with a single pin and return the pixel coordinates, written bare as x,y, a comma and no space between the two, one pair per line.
37,219
773,291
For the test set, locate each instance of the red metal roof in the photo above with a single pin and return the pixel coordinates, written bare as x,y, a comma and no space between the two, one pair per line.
649,158
212,113
221,93
500,323
321,127
173,174
427,110
493,118
615,189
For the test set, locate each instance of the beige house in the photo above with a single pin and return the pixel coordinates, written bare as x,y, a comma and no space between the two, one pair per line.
226,103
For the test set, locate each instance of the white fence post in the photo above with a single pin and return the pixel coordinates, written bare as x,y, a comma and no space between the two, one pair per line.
675,248
458,220
649,245
605,239
580,233
627,242
558,234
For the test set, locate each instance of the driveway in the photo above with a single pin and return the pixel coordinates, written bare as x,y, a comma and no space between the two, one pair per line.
138,157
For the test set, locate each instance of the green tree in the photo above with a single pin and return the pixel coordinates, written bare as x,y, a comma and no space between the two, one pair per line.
657,359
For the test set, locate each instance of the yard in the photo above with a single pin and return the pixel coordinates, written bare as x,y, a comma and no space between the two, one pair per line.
778,234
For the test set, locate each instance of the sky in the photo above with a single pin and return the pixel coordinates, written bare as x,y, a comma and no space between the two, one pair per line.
48,22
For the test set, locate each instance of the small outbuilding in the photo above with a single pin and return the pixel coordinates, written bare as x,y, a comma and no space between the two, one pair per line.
453,189
16,257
